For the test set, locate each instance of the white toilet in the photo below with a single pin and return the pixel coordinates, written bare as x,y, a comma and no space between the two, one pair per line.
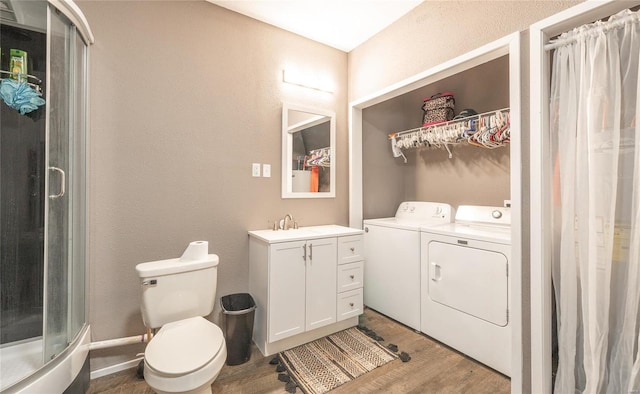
188,352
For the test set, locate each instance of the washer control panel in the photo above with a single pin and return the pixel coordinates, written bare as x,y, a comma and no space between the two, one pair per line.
423,211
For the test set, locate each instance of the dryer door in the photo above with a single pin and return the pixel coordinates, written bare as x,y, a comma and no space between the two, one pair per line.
470,280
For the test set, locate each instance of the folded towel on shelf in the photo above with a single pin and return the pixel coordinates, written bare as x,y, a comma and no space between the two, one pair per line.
20,96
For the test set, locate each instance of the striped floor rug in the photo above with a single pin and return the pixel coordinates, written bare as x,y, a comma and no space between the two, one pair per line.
329,362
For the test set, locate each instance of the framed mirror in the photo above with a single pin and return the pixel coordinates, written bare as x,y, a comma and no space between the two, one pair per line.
308,146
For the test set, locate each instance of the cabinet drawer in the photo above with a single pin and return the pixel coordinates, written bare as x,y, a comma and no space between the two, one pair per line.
350,276
350,249
349,304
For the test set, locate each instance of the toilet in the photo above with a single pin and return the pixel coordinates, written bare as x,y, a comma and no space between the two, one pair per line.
188,352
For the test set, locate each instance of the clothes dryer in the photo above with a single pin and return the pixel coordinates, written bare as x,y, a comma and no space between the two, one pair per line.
465,284
392,259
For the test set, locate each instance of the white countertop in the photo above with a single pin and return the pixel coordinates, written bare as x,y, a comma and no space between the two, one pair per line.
303,233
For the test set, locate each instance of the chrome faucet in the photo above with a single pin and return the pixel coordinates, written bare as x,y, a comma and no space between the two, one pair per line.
287,221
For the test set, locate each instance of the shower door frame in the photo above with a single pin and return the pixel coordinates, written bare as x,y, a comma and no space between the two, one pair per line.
58,372
541,177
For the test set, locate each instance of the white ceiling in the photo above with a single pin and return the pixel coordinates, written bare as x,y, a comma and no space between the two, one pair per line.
342,24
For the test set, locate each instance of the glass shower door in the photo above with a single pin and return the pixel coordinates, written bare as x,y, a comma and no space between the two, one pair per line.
59,198
22,201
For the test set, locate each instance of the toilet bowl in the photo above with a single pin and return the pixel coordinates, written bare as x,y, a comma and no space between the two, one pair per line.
185,357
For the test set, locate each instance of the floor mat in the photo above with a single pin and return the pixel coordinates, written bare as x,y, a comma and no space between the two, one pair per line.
329,362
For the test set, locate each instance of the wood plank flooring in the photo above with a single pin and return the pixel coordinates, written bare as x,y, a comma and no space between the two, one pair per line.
433,368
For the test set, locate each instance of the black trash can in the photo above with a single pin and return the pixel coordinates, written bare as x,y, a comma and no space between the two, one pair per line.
239,310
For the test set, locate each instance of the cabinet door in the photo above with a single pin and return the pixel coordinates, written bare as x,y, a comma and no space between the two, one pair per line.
321,282
286,290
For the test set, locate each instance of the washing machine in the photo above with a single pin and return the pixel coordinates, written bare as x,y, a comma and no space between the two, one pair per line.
392,259
465,284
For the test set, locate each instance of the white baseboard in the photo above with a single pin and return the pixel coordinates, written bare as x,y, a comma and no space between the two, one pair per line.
115,368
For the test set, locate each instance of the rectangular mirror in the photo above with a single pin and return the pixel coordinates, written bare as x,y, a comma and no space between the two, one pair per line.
308,146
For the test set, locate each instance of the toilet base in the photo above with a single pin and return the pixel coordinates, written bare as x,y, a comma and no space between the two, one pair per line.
206,389
163,384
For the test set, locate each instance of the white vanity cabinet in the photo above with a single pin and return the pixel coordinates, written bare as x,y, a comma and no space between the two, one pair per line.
307,283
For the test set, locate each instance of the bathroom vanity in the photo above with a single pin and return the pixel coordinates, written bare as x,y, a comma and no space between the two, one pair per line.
306,282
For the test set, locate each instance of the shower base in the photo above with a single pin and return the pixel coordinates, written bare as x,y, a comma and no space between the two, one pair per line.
19,361
54,377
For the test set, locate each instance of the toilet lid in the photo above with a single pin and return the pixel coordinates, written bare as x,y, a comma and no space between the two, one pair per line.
184,346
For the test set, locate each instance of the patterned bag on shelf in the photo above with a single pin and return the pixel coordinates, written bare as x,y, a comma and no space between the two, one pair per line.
438,108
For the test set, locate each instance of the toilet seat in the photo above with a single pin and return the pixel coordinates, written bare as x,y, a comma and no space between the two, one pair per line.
184,346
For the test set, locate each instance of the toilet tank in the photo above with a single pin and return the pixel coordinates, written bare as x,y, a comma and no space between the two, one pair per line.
175,289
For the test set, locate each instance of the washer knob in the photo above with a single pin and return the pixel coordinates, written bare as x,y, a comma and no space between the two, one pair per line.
496,214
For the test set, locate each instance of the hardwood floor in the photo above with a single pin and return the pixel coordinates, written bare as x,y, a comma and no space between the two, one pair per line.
433,368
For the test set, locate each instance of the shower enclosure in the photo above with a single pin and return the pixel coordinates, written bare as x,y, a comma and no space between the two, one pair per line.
43,47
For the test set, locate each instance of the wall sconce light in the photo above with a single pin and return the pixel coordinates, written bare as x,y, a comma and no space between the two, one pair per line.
307,80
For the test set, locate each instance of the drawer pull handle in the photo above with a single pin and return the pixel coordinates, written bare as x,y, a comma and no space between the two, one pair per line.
352,276
352,249
351,304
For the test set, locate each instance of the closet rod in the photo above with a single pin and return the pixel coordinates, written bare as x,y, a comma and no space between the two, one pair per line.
447,123
600,26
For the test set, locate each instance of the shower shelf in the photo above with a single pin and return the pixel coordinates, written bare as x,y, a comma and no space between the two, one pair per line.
23,77
487,130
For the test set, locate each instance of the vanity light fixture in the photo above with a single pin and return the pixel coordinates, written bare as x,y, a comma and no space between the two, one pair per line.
307,80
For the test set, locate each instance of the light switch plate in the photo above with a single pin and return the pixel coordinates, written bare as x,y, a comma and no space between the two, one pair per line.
255,169
266,170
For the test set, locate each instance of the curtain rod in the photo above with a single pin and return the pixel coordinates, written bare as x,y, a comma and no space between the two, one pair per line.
599,26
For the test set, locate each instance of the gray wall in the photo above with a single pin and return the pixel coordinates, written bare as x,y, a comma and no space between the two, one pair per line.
437,31
185,95
386,181
473,176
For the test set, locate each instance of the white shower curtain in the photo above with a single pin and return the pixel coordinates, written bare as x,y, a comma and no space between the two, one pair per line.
596,198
